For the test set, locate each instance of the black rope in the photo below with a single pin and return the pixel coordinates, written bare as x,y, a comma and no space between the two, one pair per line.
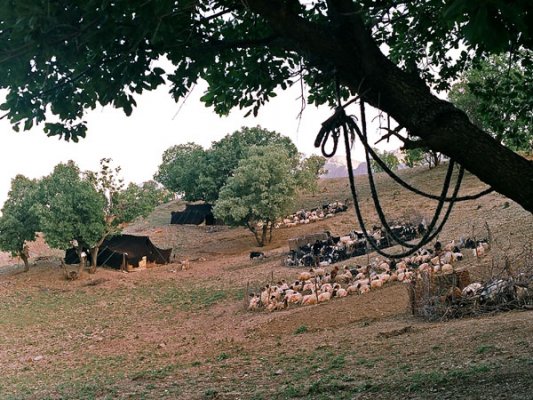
340,120
375,196
429,234
427,237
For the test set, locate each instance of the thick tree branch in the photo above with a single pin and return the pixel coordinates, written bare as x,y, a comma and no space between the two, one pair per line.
349,47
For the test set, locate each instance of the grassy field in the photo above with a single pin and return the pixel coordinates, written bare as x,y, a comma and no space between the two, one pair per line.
165,333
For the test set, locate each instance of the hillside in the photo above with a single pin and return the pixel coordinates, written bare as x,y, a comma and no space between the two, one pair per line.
168,333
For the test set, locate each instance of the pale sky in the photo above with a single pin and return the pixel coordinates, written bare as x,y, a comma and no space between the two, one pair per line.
136,143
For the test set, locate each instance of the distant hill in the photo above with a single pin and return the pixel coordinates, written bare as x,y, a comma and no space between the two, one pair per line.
336,167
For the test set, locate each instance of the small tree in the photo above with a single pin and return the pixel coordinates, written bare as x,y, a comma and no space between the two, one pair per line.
200,174
422,156
497,95
181,168
19,221
72,211
388,157
309,170
261,190
139,200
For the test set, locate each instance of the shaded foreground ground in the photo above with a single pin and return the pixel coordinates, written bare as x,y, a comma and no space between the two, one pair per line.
167,333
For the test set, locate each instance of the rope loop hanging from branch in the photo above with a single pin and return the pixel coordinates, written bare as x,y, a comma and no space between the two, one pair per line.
340,121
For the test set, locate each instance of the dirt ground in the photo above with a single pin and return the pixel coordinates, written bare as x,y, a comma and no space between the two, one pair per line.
168,333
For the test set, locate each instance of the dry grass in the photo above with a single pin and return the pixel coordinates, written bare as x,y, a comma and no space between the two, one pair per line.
164,333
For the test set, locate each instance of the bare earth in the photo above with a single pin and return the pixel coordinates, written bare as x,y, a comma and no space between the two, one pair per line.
164,333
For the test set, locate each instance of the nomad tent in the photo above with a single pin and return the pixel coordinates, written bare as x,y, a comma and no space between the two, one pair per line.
194,214
122,251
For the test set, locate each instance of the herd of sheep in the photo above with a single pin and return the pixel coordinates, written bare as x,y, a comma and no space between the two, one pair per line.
316,214
321,284
339,248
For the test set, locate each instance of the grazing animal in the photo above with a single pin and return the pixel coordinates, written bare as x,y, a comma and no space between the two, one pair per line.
253,305
472,289
257,255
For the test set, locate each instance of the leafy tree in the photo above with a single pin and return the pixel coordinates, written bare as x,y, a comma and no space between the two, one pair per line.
261,190
72,211
497,94
139,200
59,60
388,157
181,168
309,170
19,221
225,155
200,174
420,156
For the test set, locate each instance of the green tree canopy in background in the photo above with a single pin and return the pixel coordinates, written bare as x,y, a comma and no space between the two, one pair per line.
497,95
59,59
139,200
200,174
19,221
181,168
72,209
261,190
388,157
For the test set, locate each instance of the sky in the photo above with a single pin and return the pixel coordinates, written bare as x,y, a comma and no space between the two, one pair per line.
136,143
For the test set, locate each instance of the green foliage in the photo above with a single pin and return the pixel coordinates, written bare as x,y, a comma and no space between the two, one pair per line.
261,190
388,157
200,174
61,59
309,170
301,329
414,157
19,220
139,200
496,94
181,168
107,182
72,209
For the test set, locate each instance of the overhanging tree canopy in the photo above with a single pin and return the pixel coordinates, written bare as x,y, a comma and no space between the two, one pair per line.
66,57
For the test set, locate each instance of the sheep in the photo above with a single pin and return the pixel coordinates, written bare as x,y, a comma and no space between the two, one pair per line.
376,283
364,289
341,292
253,305
294,298
353,288
447,269
309,299
326,287
323,297
306,275
472,289
435,260
256,255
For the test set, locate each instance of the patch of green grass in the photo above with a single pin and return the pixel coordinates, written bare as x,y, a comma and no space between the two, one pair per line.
210,393
157,373
190,299
364,362
223,356
337,362
301,329
485,348
423,380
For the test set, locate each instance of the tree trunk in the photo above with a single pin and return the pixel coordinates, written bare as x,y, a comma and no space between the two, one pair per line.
24,257
260,243
347,46
94,258
264,233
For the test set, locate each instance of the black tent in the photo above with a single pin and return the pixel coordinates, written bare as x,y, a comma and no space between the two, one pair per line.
124,248
194,214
